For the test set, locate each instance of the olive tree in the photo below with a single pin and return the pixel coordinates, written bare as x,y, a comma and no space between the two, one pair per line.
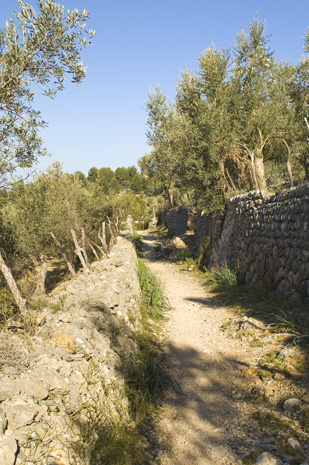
42,214
41,47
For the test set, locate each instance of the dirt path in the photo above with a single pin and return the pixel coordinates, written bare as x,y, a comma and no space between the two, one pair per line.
211,423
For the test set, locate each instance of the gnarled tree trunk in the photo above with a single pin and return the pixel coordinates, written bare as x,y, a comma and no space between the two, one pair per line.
257,163
63,254
288,163
113,229
93,245
79,251
102,237
40,280
20,302
303,159
84,247
260,173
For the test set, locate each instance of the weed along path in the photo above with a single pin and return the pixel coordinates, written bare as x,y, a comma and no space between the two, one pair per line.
216,419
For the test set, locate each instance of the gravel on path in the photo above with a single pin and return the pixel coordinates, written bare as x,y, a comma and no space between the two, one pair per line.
196,427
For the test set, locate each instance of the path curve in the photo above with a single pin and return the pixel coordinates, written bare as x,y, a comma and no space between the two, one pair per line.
197,427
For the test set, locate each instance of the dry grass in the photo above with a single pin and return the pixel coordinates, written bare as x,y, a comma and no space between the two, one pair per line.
12,353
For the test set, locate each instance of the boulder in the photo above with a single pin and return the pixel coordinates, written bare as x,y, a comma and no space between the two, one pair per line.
266,458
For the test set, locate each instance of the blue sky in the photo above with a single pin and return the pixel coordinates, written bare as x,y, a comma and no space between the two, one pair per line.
138,44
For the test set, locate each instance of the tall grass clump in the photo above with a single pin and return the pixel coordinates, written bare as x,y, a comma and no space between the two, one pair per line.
138,243
287,322
156,301
119,444
147,376
221,277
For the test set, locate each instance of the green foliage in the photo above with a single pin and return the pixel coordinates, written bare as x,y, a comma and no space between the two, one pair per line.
93,174
53,202
241,112
182,255
129,178
191,264
287,322
57,202
107,180
127,203
148,376
40,48
221,277
123,179
81,177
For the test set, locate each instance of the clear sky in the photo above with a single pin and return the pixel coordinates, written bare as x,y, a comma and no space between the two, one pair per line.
138,44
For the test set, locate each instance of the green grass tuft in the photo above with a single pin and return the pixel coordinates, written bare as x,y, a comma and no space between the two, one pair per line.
153,295
138,243
221,277
119,444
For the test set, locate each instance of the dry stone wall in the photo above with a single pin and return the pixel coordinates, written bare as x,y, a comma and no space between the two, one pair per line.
62,384
266,239
180,219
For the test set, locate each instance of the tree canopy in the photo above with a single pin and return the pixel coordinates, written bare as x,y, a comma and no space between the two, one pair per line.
39,48
239,122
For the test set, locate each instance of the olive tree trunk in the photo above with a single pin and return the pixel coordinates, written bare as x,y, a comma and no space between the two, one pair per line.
63,254
260,174
79,251
20,302
40,280
102,237
288,163
113,232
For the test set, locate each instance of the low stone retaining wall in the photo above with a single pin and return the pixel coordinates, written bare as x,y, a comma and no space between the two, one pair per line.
63,384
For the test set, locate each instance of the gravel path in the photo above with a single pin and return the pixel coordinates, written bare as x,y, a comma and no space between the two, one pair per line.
197,427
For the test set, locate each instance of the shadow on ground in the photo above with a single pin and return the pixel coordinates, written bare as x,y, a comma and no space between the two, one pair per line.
215,415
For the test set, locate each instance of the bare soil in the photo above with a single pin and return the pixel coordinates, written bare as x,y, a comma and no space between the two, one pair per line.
227,412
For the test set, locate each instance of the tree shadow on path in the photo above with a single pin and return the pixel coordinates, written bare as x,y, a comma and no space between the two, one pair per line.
215,420
224,412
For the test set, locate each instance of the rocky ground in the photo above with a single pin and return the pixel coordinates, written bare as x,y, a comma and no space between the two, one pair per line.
244,389
61,381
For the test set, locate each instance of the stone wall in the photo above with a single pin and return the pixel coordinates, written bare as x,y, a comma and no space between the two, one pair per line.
63,382
180,219
265,238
